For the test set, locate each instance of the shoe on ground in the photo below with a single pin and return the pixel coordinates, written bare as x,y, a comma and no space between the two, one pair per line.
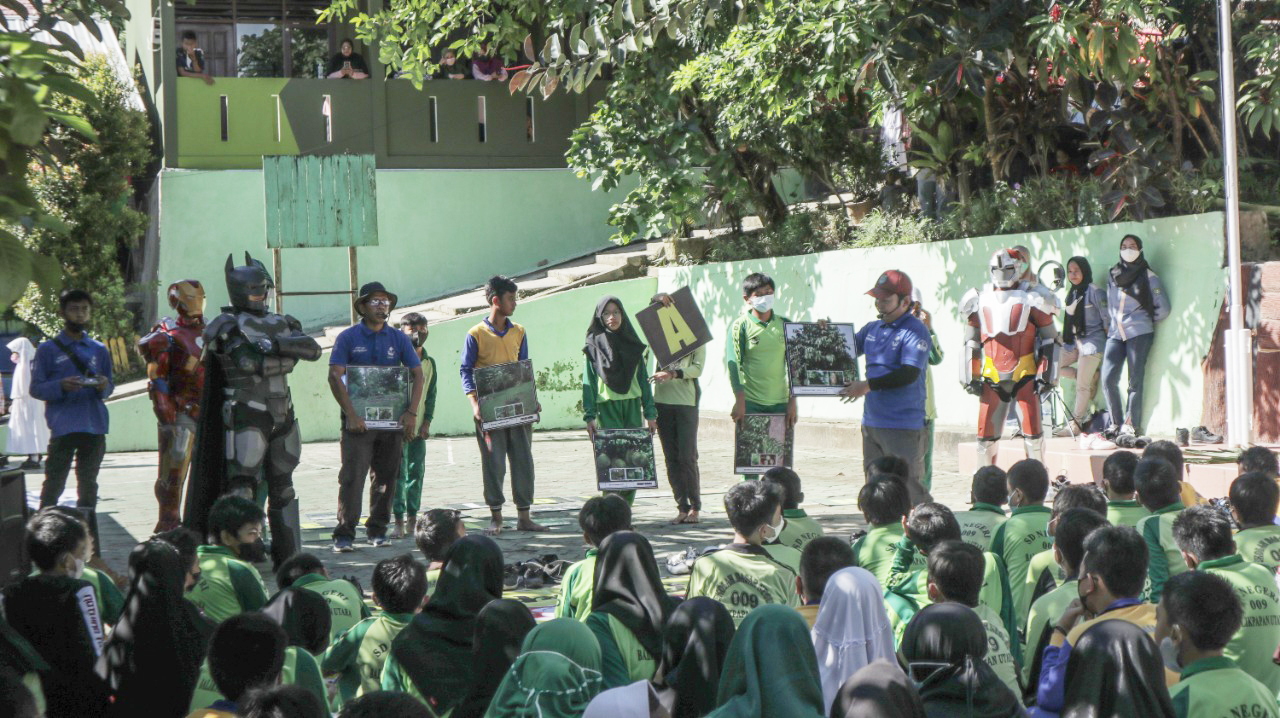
1126,441
1095,442
343,545
1064,431
379,541
1201,435
30,465
1128,430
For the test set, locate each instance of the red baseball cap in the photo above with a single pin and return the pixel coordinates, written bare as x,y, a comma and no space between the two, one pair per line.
890,283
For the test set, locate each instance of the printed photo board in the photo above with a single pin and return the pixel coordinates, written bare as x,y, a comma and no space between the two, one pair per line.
762,441
624,459
507,395
821,358
380,394
673,332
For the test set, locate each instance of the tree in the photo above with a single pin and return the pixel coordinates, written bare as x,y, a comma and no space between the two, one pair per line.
262,55
814,347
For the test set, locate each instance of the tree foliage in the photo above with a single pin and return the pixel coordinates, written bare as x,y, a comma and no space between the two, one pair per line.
262,55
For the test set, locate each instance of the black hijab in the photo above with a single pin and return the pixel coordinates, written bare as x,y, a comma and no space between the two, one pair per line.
1132,278
629,588
694,644
304,615
500,631
878,690
1116,670
615,355
1073,324
435,648
944,646
152,659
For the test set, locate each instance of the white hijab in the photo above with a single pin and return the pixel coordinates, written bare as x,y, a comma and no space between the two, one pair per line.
28,432
852,629
629,701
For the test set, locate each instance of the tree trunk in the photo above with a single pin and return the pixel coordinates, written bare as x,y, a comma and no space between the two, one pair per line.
989,113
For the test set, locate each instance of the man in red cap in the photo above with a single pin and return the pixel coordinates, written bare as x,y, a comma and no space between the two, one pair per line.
896,348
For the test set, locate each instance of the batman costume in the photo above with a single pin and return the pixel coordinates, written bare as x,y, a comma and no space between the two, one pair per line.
247,432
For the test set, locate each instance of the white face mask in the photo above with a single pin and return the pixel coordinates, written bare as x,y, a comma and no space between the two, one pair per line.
774,530
763,303
1130,255
79,570
1169,653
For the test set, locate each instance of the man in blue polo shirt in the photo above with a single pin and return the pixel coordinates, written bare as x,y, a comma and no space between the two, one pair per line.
896,347
72,375
370,343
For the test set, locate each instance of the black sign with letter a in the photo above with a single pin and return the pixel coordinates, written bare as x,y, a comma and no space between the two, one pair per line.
673,332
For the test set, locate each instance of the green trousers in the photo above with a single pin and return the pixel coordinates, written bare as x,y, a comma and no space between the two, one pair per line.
413,465
927,480
621,414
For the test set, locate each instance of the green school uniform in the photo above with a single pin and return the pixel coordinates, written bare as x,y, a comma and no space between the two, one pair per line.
1163,557
227,585
299,669
979,524
784,555
577,587
743,577
611,410
684,391
346,605
757,362
798,530
1126,513
875,550
1045,612
1043,575
358,655
110,600
1216,687
1260,544
1017,540
1252,646
1000,651
622,659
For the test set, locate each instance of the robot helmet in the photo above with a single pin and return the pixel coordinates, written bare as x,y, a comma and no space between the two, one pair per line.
187,296
250,287
1005,268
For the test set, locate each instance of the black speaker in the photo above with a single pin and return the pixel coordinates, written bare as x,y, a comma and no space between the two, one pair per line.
14,563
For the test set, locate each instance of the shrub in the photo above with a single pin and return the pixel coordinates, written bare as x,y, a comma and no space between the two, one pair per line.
799,233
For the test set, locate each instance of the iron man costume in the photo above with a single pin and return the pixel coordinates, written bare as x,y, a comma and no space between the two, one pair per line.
172,354
1011,347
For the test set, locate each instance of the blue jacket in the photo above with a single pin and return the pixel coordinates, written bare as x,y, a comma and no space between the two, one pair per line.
83,410
1097,321
1128,318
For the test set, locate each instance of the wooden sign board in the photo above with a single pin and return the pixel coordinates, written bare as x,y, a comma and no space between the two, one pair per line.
674,332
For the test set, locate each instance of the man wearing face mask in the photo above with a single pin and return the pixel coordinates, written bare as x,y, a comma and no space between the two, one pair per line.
413,459
896,347
757,354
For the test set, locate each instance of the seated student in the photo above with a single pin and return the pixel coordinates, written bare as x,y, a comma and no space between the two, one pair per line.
386,703
110,599
246,651
346,64
1116,670
600,517
629,609
1260,459
451,67
16,697
1203,535
797,528
1068,548
988,493
852,628
1043,573
357,656
1025,533
56,613
884,503
229,582
888,465
501,628
1117,483
283,701
822,557
435,533
943,650
955,576
485,66
1157,485
1255,498
1199,613
346,600
1169,451
743,575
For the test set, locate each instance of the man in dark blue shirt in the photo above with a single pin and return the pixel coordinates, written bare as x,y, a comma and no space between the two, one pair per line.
370,343
73,377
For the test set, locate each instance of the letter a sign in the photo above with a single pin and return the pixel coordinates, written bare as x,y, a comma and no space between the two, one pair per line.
673,332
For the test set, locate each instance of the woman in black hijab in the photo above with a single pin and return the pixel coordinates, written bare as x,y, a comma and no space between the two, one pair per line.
152,659
629,604
304,615
694,645
1116,671
878,690
615,382
1136,300
431,658
1084,335
944,646
500,631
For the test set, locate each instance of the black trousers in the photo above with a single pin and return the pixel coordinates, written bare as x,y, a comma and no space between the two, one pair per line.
373,449
678,432
87,450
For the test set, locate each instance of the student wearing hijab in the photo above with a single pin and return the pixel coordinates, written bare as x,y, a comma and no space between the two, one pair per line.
556,675
501,629
944,647
1085,322
878,690
1136,300
152,659
615,379
431,658
770,669
28,431
1115,671
852,629
629,609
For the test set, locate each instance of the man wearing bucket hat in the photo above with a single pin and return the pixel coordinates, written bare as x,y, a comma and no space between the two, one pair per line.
896,348
370,343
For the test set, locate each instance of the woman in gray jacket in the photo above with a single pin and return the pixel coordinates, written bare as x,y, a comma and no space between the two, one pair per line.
1136,300
1084,334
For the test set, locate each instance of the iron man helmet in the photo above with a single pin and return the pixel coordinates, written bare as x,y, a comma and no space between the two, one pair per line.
187,296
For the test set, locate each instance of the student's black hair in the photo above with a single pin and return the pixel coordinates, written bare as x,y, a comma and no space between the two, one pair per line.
1259,458
789,482
889,464
884,500
1167,450
1204,532
287,700
1255,497
413,319
956,568
820,558
990,486
73,295
1118,554
750,505
232,513
246,651
1031,478
51,535
930,524
385,703
297,566
755,281
184,540
497,286
436,531
1117,470
1206,607
1079,496
604,515
1073,526
189,35
16,699
347,41
1157,483
399,584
